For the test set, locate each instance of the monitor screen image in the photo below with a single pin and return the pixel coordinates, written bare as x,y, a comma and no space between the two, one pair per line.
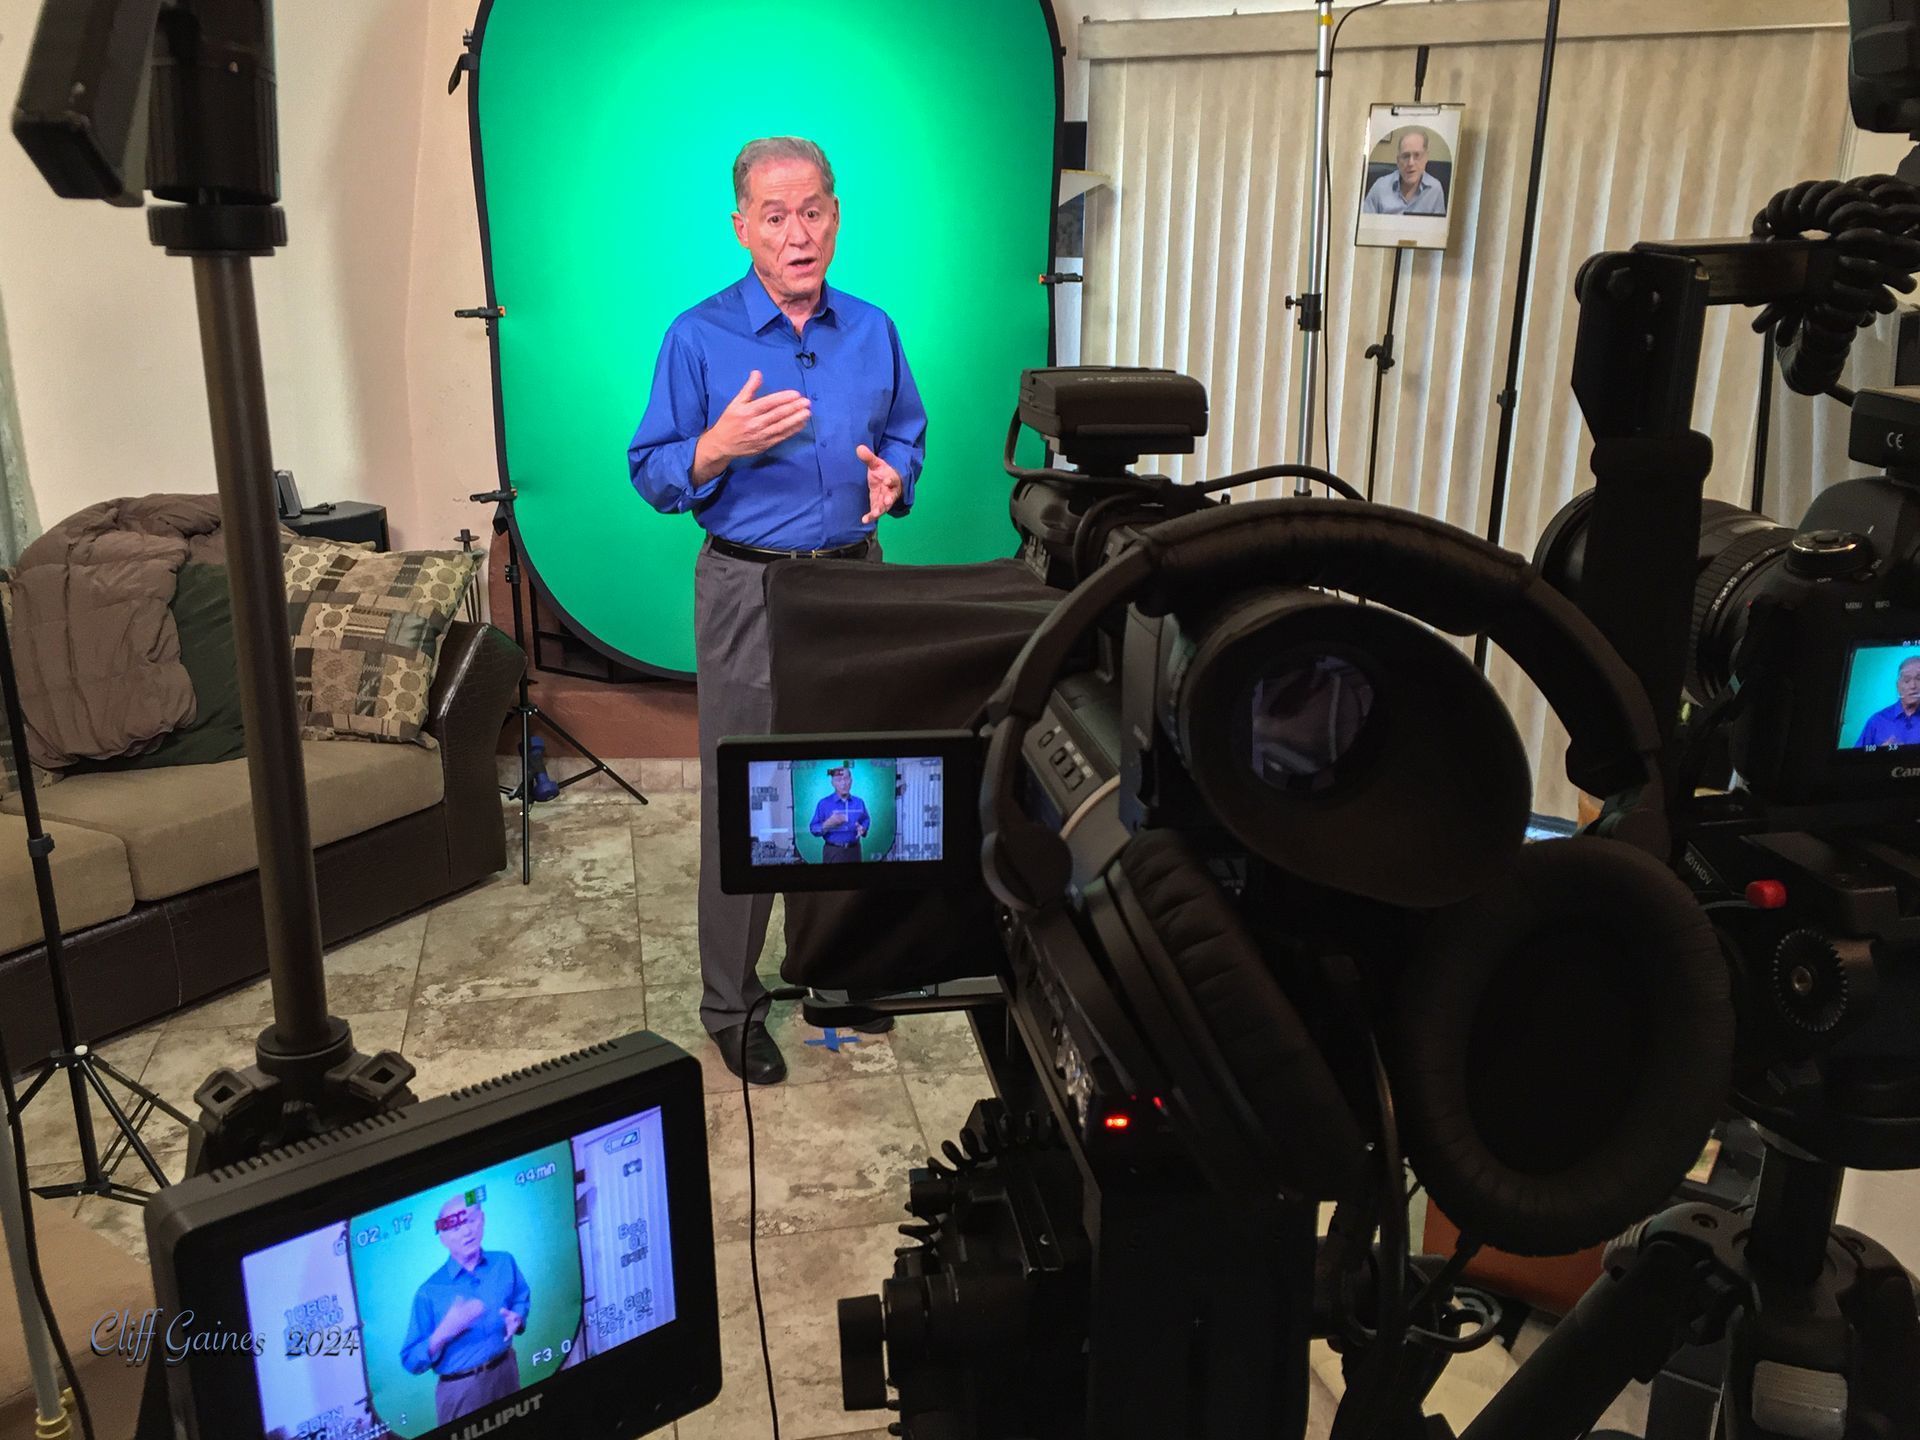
1881,709
847,811
452,1300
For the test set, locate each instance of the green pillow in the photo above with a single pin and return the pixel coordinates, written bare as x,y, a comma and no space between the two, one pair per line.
203,611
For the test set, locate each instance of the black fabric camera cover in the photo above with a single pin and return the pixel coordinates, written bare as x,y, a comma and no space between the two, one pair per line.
863,647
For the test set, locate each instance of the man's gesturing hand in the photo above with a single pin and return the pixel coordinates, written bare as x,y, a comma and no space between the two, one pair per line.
750,426
883,485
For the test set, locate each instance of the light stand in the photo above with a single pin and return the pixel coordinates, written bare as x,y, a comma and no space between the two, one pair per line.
1510,395
1311,304
81,1064
1381,351
525,709
51,1401
177,97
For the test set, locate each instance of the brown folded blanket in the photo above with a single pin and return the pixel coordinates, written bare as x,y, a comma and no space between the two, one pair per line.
95,645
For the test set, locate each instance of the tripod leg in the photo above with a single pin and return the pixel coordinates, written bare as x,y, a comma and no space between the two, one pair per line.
1623,1329
126,1127
136,1088
599,765
47,1072
526,796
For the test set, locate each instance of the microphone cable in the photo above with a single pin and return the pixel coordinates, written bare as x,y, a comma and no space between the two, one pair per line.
784,992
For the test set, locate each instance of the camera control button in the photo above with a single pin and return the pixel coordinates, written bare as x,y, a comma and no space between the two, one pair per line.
1828,554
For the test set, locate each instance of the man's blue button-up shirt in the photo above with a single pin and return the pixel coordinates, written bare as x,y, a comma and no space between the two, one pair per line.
496,1282
1384,197
1891,726
852,812
809,492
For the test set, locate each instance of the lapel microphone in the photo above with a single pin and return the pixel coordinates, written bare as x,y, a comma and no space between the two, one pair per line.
806,359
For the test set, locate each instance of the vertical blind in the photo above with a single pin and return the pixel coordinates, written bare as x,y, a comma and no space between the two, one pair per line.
1192,250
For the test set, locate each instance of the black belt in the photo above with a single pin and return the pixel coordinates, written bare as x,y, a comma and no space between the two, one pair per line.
763,556
480,1369
841,844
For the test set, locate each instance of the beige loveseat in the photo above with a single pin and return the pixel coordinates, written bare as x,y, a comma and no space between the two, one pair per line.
155,871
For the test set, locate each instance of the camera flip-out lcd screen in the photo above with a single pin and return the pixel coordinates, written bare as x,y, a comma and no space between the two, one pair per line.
834,813
1881,707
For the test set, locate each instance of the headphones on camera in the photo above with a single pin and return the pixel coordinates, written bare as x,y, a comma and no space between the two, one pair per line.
1520,1147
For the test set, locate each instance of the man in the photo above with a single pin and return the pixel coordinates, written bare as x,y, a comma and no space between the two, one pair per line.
465,1316
1899,723
840,819
806,468
1410,191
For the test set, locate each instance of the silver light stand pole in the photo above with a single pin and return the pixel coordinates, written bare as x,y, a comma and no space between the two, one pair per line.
52,1403
1312,302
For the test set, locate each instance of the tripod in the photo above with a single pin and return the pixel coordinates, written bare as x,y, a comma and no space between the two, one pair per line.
525,708
81,1066
1824,1337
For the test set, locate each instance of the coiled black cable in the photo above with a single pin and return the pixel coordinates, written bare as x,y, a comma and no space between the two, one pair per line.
1874,223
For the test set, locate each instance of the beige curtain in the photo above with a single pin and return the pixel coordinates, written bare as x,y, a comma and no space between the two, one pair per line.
19,525
1193,247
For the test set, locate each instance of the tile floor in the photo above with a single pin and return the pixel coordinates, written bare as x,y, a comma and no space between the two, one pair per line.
602,942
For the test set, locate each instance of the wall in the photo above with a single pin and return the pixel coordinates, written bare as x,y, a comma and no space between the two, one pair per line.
104,341
1071,12
449,376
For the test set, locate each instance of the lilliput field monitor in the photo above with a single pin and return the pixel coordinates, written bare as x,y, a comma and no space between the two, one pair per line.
531,1256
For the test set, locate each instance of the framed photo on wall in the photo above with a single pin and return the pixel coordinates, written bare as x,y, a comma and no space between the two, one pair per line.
1406,188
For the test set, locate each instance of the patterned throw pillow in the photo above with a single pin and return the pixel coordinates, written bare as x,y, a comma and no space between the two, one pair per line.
366,634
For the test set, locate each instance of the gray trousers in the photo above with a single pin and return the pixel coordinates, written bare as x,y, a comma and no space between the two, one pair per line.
735,690
454,1398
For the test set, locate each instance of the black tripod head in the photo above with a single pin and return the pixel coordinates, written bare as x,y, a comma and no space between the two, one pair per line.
176,97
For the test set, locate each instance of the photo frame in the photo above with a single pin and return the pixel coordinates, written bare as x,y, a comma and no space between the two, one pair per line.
1409,174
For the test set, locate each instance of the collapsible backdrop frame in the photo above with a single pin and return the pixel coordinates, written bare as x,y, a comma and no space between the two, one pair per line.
948,195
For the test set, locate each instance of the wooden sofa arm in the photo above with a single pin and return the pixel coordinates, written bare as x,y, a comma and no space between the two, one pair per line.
474,687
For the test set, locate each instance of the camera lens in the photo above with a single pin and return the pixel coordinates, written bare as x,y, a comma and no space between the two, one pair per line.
1306,714
1738,549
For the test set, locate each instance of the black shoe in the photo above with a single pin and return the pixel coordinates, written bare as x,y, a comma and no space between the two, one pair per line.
879,1026
765,1064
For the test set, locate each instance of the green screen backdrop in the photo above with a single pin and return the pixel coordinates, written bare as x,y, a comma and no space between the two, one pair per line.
604,133
873,782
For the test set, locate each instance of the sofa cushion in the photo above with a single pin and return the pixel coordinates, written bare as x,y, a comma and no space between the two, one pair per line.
366,634
191,825
91,882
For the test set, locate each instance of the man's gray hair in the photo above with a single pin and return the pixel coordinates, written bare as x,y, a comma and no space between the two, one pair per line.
777,147
1908,664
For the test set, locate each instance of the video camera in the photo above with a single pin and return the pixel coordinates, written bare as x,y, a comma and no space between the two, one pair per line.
1268,925
1779,655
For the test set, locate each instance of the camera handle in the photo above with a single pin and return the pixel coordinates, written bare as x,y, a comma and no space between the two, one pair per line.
1825,1336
